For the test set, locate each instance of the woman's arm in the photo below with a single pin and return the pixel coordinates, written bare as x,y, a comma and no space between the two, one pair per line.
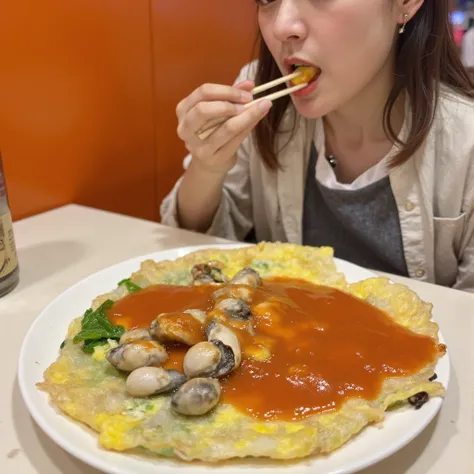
465,278
210,198
233,217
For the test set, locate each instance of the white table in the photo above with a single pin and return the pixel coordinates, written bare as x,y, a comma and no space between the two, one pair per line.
60,247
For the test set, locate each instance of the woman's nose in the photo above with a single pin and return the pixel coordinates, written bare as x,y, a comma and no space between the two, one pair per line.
289,23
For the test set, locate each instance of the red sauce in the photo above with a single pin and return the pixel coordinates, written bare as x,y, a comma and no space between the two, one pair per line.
325,346
138,310
176,354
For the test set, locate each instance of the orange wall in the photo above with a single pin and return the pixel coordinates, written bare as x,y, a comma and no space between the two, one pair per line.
88,92
194,42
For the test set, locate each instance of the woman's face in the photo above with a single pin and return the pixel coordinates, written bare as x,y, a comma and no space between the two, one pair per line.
350,41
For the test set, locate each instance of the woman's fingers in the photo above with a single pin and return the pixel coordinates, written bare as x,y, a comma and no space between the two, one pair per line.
213,104
213,92
235,126
205,115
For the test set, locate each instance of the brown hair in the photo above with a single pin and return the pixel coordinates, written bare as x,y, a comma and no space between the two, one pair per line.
426,57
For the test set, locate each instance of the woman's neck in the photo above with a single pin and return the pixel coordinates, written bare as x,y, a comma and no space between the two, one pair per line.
355,133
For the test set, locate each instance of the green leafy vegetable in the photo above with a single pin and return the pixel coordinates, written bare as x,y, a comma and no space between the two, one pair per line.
261,265
96,328
131,287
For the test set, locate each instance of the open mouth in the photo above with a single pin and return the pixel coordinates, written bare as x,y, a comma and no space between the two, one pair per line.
308,74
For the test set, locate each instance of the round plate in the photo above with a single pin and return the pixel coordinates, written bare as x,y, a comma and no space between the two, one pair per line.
40,348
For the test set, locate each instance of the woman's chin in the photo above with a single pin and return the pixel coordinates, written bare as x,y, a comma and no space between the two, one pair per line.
311,109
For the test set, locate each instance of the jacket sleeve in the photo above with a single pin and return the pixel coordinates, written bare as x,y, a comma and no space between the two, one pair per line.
234,217
465,278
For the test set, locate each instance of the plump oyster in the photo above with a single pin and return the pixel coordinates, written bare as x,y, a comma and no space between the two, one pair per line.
135,354
178,327
197,314
147,381
208,273
196,397
237,292
247,276
235,309
136,335
218,332
209,359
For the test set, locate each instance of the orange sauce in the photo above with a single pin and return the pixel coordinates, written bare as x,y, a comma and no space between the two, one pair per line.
324,346
138,310
176,354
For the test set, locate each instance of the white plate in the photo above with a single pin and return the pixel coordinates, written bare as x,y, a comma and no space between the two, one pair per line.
40,349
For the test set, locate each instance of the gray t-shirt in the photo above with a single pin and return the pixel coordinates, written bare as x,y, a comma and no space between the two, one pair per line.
361,225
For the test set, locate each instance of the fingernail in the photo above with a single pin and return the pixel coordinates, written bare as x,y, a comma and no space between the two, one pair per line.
246,96
265,105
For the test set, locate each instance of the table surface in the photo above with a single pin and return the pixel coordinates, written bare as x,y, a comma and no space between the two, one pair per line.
59,248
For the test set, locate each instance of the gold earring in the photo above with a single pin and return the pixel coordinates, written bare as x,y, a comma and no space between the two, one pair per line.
402,28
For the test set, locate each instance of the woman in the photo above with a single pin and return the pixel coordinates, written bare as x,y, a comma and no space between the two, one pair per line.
375,158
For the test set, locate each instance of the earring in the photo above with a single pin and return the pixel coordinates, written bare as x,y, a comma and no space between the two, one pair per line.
402,28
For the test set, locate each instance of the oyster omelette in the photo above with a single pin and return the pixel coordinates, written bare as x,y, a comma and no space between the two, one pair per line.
261,351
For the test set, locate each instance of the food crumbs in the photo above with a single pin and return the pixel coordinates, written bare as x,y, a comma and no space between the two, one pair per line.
13,453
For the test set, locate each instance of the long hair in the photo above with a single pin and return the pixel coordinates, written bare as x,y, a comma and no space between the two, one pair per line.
427,57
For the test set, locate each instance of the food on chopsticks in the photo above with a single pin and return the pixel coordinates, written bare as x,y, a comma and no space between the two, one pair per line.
264,351
306,74
300,78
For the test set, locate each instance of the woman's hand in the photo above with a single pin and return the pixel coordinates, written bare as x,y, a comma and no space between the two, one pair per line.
206,106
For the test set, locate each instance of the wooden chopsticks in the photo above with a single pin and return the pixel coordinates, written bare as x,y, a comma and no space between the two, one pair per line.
212,126
276,82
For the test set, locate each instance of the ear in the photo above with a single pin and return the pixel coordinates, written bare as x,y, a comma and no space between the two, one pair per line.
408,7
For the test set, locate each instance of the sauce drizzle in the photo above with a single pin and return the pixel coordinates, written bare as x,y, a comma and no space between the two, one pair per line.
314,347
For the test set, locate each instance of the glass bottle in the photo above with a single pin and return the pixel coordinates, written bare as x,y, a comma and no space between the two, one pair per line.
9,269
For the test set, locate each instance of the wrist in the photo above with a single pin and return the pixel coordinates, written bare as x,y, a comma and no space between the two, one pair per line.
210,170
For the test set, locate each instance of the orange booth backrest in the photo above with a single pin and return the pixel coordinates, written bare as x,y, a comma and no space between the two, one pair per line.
88,92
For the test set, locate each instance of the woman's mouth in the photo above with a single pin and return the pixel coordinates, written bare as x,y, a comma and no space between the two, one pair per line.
309,74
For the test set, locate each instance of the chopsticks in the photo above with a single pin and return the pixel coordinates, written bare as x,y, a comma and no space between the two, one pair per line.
212,126
276,82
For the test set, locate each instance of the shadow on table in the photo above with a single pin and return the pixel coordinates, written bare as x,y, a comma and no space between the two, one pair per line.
39,261
38,447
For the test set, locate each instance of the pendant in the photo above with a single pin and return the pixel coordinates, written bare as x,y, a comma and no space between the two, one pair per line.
332,160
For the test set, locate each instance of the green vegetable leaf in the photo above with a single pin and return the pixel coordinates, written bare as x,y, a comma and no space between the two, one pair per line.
88,315
99,333
96,328
131,287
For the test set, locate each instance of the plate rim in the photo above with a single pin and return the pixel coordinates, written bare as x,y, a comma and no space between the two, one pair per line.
95,461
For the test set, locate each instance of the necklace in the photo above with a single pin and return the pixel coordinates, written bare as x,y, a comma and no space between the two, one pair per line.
332,160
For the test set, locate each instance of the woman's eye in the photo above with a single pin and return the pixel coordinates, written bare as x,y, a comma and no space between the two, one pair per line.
264,2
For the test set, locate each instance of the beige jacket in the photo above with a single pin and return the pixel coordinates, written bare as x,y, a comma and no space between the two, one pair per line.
434,192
